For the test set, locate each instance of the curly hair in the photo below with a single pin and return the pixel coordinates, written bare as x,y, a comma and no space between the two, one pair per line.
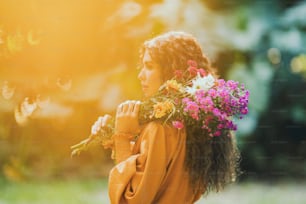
172,50
211,162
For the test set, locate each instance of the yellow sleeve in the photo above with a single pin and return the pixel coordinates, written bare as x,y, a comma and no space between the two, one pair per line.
137,179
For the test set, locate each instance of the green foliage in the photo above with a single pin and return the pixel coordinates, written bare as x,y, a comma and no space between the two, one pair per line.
272,137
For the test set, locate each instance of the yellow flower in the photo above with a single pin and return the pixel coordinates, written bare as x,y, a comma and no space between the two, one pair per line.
172,84
162,108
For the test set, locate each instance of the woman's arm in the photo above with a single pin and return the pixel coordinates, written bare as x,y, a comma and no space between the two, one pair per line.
126,126
137,178
122,146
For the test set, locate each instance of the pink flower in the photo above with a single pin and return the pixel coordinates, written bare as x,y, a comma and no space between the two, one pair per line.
217,133
186,100
232,84
202,72
216,112
178,124
192,108
192,71
178,73
245,111
220,126
195,115
221,82
192,63
212,93
199,94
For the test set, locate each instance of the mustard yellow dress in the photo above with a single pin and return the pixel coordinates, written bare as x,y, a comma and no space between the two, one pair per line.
153,171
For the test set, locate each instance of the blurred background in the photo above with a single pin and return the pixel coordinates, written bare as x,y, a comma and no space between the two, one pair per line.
64,63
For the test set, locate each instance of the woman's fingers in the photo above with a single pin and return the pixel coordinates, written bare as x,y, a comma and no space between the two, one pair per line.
128,107
136,108
131,106
123,108
127,117
120,108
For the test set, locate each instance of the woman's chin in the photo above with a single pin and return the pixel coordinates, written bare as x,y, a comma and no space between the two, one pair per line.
146,95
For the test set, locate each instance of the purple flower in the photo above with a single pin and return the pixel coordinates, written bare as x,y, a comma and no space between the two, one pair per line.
221,82
192,108
185,100
212,93
216,112
232,84
244,111
217,105
199,94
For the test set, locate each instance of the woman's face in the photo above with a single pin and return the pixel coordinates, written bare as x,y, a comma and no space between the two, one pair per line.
150,75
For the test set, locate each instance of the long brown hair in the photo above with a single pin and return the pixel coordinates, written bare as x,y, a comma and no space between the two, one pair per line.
211,162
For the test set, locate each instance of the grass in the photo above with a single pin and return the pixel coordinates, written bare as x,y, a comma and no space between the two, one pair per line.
95,192
55,192
259,193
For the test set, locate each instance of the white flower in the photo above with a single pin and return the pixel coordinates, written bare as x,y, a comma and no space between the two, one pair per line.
201,83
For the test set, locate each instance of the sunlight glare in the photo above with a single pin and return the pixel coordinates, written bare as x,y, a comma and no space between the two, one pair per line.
7,91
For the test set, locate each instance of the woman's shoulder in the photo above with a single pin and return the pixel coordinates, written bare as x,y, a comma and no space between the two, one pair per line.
157,125
159,129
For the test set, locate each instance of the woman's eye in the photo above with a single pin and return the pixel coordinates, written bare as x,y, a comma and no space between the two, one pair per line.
150,67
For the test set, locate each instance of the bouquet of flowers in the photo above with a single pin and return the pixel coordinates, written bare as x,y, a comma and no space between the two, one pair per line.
191,98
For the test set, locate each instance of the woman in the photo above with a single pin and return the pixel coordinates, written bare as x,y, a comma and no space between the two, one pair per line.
166,165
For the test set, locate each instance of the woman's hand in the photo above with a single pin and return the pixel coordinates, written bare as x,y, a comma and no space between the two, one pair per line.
127,117
102,122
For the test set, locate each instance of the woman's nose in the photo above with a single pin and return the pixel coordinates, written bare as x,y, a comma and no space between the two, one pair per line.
141,75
